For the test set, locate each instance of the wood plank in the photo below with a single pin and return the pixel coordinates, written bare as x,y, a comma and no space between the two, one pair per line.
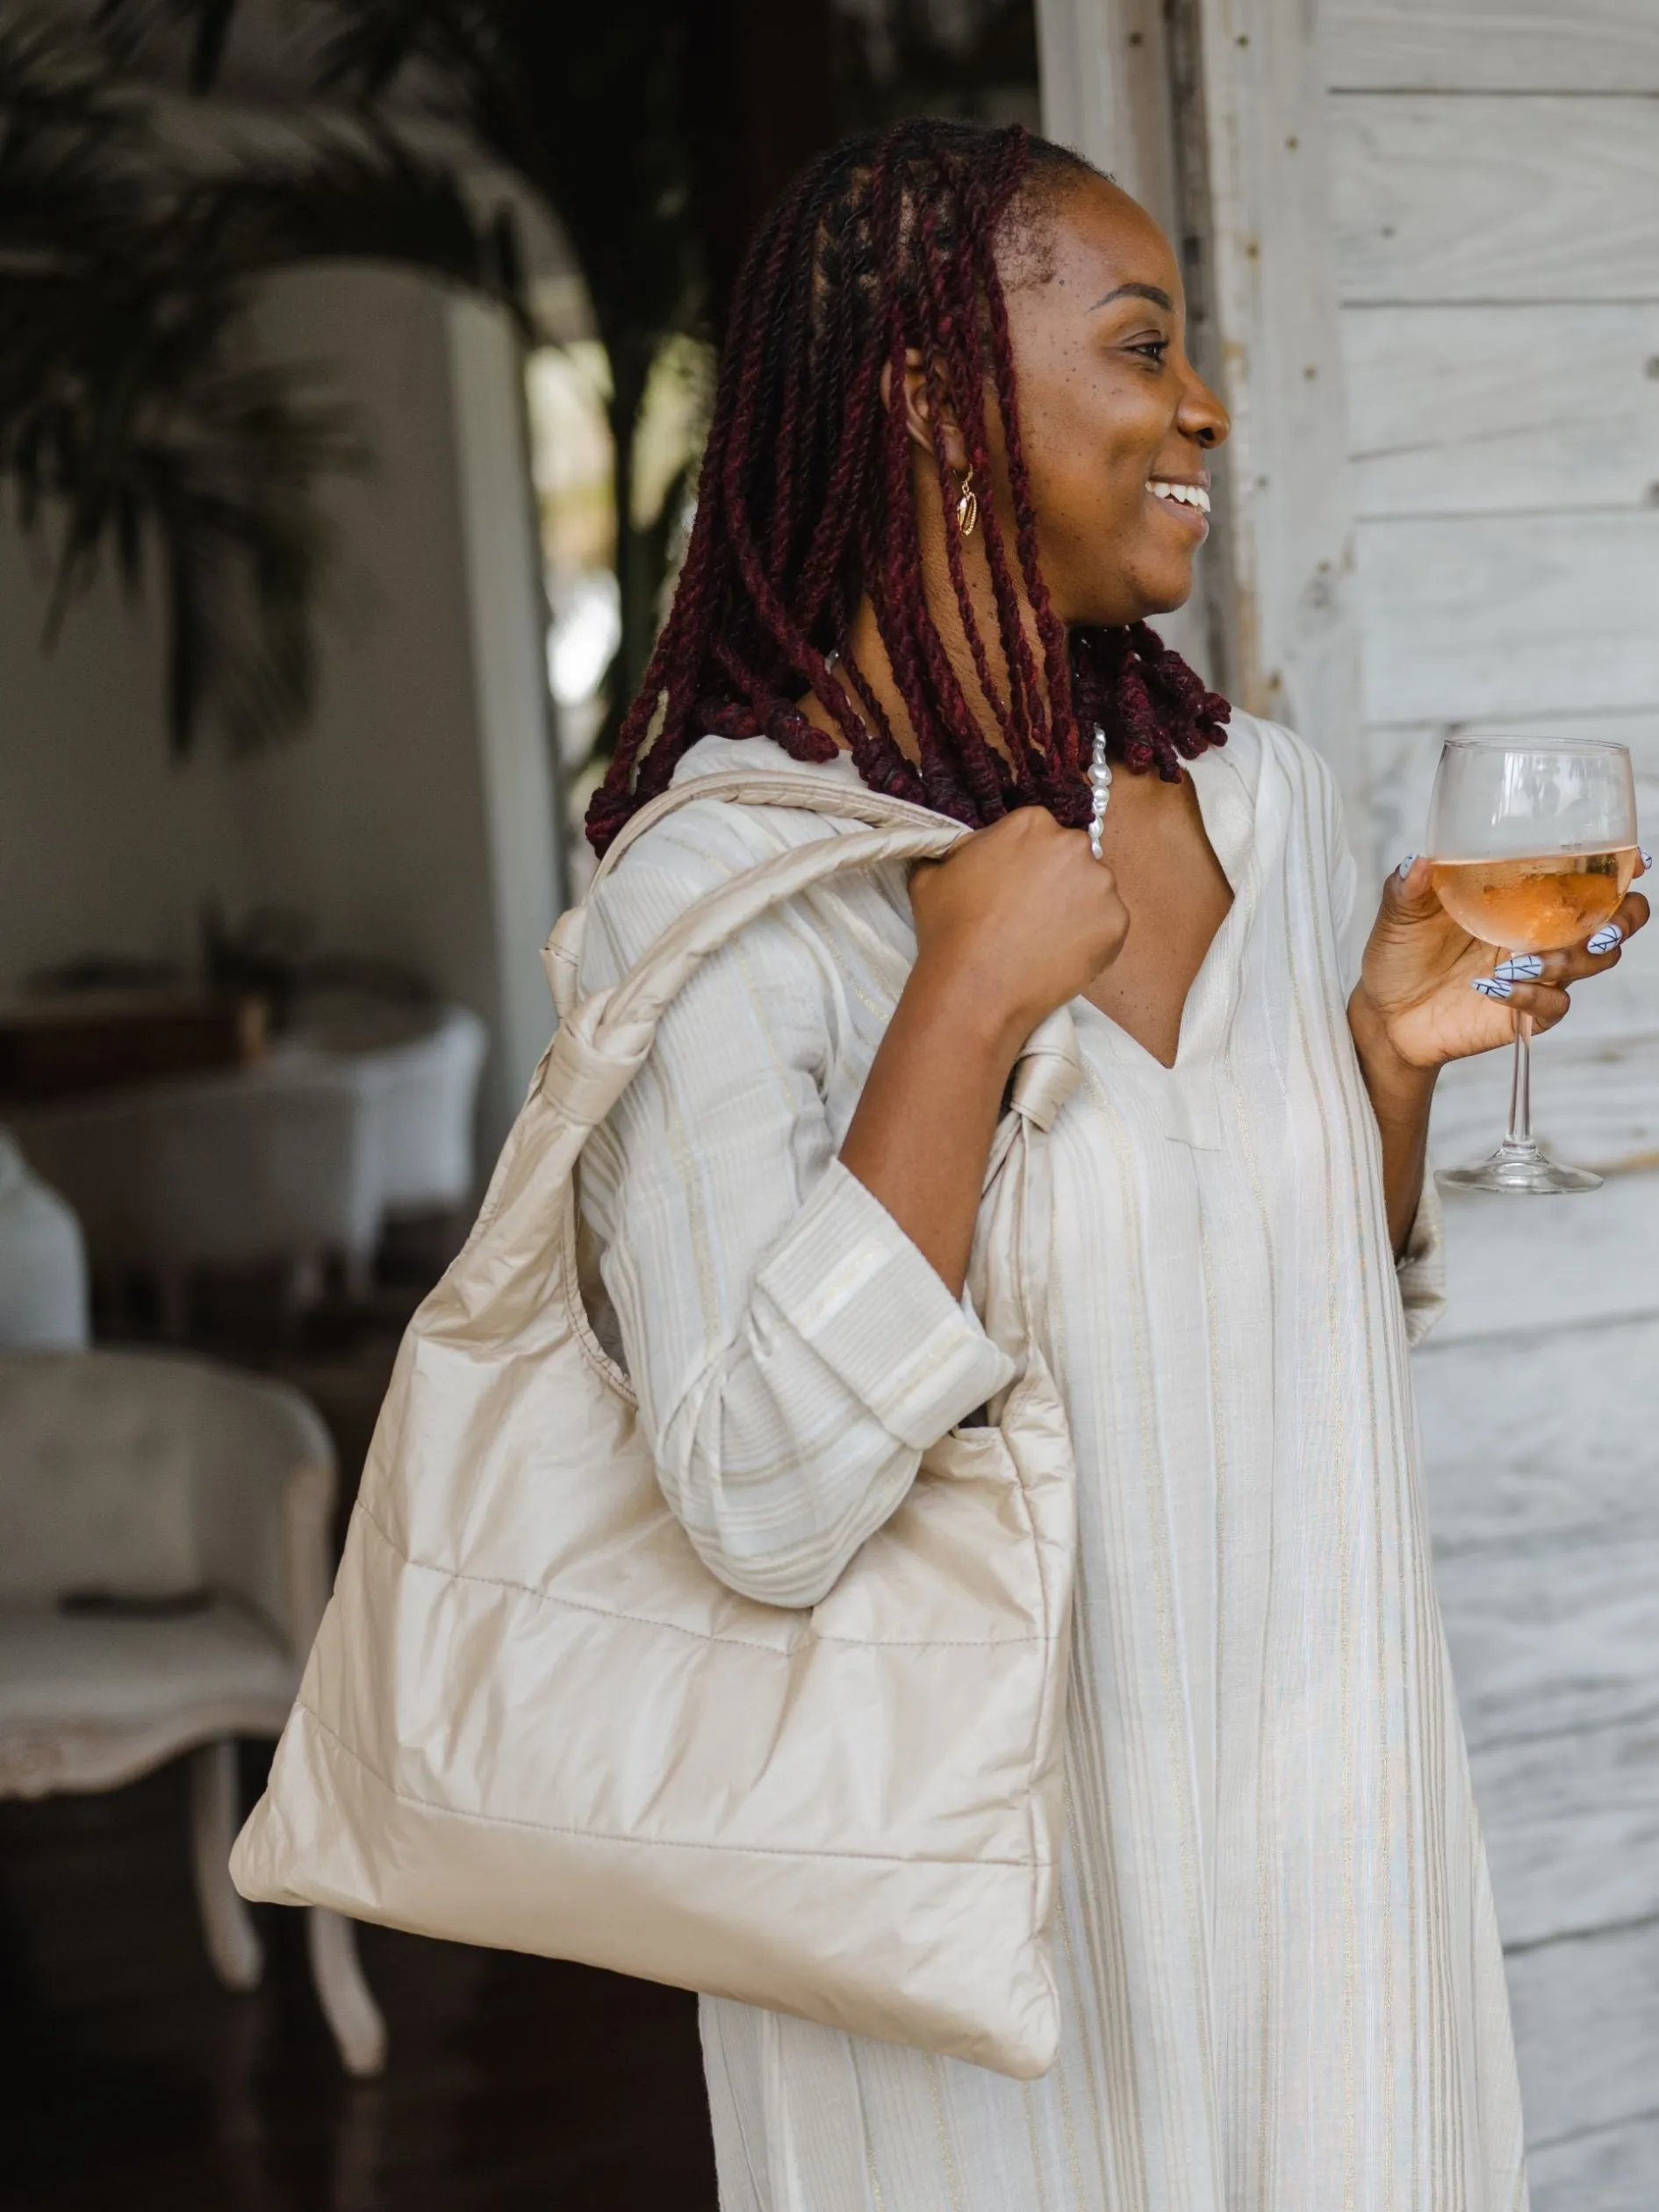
1105,91
1479,410
1445,199
1497,45
1611,2169
1528,1453
1550,1650
1572,1827
1529,1272
1595,1101
1401,760
1471,618
1251,117
1587,2034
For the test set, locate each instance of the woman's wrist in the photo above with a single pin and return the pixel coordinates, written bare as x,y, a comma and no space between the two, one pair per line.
983,1027
1385,1067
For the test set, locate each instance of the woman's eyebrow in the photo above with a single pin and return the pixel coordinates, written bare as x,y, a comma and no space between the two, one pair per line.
1139,291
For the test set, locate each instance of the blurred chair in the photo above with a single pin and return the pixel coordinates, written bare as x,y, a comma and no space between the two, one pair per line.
273,1164
420,1076
164,1561
360,1113
43,1285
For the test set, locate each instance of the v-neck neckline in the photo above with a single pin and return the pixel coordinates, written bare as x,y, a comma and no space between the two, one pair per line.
1226,809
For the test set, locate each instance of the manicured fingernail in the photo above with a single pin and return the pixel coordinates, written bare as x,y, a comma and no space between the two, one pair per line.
1526,967
1647,857
1406,866
1491,987
1605,939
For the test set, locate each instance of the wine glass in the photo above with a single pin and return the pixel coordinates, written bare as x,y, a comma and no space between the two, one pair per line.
1534,846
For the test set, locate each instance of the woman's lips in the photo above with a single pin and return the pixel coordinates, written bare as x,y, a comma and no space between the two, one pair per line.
1187,505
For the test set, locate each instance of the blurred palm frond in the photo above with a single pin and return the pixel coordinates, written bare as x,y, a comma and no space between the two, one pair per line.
586,104
136,426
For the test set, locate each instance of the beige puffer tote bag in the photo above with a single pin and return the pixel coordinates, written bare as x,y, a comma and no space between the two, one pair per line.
533,1718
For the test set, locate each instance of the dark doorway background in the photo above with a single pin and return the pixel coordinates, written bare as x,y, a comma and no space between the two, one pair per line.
514,2085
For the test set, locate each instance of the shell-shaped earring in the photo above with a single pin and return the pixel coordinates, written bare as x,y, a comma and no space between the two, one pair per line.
967,507
1100,786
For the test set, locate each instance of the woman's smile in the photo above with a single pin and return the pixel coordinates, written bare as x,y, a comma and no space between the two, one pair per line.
1185,501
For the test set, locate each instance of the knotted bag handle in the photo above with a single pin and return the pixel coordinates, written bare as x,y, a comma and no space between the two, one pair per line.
604,1038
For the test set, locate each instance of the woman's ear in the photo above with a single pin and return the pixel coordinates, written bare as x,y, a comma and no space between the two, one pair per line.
918,412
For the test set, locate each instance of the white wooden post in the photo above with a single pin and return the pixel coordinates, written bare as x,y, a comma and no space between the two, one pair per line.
1213,113
1106,92
1251,128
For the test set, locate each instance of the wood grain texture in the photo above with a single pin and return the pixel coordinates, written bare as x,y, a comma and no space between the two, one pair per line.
1499,46
1611,2169
1472,618
1440,200
1587,2034
1595,1100
1528,1454
1546,1651
1521,1270
1105,91
1401,760
1495,410
1252,117
1572,1827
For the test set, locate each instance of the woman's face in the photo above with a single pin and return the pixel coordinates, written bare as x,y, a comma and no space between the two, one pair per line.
1114,423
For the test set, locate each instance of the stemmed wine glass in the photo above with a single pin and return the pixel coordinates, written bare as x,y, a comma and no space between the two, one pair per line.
1533,847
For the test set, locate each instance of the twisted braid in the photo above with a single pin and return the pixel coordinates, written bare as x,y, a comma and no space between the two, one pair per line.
805,501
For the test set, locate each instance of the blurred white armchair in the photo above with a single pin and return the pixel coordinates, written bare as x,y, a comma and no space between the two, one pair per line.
294,1160
164,1560
43,1285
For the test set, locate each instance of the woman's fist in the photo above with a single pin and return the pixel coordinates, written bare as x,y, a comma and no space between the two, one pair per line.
1021,914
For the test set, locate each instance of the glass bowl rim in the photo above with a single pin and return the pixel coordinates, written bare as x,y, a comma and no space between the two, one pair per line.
1534,744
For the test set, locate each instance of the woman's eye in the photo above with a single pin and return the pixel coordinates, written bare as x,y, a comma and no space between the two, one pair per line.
1153,348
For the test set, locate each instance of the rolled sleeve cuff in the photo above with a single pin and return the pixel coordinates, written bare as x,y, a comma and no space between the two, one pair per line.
853,1287
1421,1267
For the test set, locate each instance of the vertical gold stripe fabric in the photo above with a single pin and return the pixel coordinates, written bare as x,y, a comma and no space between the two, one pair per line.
1280,1977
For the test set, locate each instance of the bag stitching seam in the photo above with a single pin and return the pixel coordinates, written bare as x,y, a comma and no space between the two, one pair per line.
648,1843
698,1635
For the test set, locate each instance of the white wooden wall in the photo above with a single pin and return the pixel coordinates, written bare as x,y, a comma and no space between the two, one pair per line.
1496,196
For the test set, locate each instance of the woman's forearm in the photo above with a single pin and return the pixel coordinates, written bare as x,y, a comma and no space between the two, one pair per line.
1401,1095
922,1134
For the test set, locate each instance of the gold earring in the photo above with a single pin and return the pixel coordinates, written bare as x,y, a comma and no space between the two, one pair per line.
967,507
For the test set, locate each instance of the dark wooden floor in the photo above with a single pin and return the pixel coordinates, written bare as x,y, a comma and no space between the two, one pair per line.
132,2081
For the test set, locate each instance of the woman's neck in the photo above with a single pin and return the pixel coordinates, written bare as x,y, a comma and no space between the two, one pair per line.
865,651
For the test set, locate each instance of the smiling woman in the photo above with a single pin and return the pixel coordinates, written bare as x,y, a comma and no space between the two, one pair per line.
958,456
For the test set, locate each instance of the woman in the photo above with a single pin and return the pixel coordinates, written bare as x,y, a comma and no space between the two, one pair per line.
958,455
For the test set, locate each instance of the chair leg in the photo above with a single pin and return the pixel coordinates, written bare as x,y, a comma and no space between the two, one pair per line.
239,1959
354,2020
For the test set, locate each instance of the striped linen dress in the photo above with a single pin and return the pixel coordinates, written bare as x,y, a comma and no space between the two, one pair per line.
1282,1984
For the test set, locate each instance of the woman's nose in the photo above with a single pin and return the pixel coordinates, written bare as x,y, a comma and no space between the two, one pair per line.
1202,416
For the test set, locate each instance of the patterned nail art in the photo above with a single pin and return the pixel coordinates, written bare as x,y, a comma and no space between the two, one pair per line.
1491,987
1605,939
1647,857
1526,967
1406,866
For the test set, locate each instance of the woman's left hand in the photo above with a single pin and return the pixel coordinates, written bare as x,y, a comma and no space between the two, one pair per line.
1439,994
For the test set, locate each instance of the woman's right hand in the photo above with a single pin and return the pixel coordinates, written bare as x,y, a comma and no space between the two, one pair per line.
1018,920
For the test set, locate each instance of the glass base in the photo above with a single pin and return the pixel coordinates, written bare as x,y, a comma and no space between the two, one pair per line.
1522,1170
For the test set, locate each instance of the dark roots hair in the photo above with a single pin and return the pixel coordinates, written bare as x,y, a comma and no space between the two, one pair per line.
805,502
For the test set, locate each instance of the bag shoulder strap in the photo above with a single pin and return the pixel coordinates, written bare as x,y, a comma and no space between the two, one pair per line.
604,1038
767,787
561,955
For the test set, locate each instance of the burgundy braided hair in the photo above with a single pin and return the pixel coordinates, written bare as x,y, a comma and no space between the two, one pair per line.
805,502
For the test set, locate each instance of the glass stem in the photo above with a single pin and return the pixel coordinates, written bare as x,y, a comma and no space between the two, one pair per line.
1520,1090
